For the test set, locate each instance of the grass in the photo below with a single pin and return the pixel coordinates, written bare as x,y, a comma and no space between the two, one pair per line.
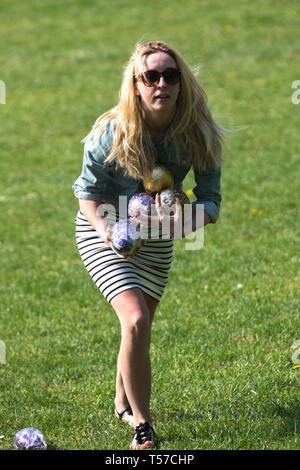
222,336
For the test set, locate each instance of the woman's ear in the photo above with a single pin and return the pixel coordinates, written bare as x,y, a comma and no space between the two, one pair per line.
136,88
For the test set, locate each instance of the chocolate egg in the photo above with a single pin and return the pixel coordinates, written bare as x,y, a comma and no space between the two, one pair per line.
30,439
182,197
168,199
159,179
141,203
125,237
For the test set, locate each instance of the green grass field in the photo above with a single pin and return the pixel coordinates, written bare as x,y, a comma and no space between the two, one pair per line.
223,376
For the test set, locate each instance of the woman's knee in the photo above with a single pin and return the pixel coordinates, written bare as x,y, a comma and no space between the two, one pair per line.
138,326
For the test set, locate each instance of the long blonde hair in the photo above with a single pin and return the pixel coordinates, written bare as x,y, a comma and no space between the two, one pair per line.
192,127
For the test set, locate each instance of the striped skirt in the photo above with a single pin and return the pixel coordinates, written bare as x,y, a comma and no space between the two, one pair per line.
148,270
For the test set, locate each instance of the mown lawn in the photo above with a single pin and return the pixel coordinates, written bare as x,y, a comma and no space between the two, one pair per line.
223,376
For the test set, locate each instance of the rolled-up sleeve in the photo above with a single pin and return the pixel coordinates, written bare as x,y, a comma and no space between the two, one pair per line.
93,182
208,191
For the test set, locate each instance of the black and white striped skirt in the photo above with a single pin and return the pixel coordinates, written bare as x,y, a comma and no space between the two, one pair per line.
148,270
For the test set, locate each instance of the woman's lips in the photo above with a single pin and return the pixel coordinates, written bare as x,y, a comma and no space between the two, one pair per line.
161,97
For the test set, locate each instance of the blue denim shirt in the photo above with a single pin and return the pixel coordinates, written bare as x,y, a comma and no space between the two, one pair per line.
104,182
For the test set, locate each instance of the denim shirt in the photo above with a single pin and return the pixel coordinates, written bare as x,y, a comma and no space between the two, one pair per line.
104,182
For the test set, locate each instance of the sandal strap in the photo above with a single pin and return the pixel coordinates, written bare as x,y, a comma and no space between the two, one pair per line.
121,413
143,432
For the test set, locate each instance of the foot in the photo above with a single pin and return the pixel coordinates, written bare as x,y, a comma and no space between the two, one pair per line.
125,414
143,437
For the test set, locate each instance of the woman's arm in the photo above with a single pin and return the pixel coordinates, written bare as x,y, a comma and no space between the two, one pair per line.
89,210
208,191
183,223
198,220
179,225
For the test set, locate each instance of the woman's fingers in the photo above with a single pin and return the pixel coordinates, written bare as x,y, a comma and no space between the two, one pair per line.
141,218
158,207
178,210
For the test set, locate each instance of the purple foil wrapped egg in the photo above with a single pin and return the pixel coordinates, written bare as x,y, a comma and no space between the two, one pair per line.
30,439
141,203
126,237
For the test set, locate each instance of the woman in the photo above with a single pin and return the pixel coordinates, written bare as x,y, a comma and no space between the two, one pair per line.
162,117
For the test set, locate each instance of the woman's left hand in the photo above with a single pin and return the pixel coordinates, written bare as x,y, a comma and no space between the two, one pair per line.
171,225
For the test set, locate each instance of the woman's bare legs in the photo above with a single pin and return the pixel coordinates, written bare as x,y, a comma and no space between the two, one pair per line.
135,310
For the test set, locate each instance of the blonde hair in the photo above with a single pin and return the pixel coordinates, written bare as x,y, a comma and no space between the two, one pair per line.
192,127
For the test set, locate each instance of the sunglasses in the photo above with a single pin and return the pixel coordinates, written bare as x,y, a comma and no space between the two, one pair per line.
152,77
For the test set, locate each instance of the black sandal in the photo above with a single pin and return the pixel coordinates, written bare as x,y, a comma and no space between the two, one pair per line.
121,413
143,437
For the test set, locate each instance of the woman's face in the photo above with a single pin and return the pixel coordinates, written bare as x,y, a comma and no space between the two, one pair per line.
162,97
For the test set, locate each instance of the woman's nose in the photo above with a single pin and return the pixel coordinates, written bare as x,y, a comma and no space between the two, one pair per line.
162,82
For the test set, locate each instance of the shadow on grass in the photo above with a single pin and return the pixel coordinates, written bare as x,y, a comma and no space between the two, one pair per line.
288,427
291,416
177,432
51,446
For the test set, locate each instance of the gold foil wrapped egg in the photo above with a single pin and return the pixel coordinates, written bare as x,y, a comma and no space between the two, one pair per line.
159,179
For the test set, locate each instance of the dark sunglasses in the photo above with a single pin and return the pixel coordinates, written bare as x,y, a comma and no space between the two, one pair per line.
152,77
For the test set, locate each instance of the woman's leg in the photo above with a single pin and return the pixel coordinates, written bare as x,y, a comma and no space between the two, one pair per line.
135,310
121,398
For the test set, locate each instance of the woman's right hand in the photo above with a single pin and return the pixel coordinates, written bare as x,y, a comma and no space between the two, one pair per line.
104,231
89,209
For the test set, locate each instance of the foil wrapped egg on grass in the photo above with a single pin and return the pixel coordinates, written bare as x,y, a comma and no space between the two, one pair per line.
159,179
30,439
125,237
